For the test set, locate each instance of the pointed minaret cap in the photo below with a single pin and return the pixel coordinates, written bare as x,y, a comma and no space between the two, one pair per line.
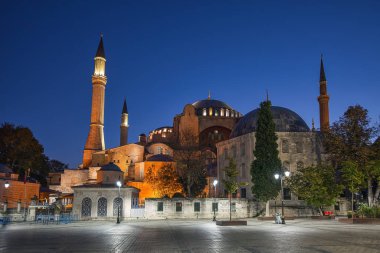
322,76
125,108
100,52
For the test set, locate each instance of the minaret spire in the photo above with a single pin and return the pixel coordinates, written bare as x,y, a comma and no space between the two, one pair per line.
323,100
209,95
322,76
125,108
100,51
95,138
124,125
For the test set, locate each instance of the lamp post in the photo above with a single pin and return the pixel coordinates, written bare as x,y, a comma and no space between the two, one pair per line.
6,184
214,183
281,177
118,183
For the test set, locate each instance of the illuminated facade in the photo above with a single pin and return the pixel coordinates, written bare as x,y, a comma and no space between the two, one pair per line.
212,126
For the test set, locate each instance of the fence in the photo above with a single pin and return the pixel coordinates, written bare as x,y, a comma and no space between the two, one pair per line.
56,219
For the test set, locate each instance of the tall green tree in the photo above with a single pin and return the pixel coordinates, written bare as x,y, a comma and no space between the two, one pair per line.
230,182
20,150
316,185
353,179
349,139
266,162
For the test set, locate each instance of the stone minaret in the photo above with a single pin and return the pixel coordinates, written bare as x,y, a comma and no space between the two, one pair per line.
323,100
95,139
124,125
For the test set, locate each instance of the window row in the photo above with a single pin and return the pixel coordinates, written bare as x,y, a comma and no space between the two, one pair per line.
101,207
285,146
196,206
220,112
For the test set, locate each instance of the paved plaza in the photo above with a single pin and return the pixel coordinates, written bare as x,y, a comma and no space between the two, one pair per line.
190,236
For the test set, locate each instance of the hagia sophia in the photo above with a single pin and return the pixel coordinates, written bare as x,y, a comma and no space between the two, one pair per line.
216,129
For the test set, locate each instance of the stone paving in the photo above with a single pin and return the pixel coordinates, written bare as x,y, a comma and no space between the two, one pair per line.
190,236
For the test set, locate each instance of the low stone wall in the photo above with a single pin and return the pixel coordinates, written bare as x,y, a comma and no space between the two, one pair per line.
199,208
360,220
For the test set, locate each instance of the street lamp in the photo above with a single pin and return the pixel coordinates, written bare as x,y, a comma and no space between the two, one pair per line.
213,206
215,183
281,177
118,183
6,184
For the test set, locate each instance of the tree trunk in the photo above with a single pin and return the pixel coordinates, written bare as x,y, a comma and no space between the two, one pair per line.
230,205
320,211
370,192
188,187
352,204
267,209
377,193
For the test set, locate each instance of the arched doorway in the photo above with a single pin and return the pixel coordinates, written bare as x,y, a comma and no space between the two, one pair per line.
102,207
86,207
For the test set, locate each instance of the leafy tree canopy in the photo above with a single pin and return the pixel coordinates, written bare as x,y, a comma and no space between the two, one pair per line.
349,140
164,181
191,164
316,185
21,151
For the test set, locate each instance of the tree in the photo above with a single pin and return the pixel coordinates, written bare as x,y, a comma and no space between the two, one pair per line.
56,166
230,182
164,181
266,162
191,164
20,150
316,185
349,139
353,179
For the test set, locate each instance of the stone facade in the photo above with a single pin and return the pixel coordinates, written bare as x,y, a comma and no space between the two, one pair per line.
71,178
100,201
124,156
188,208
296,149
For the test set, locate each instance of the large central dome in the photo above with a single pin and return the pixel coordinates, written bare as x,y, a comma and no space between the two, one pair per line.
285,120
207,103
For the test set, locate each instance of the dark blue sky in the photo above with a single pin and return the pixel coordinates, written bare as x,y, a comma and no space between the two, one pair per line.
162,55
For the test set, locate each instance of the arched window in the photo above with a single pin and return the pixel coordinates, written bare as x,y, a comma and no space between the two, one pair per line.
102,207
210,111
227,113
86,207
286,165
285,146
204,113
222,112
299,147
117,206
216,112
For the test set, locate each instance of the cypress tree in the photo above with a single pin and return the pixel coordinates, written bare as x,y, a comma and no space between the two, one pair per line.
266,163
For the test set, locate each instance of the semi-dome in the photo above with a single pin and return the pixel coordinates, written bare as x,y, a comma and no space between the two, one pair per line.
110,167
285,120
160,158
